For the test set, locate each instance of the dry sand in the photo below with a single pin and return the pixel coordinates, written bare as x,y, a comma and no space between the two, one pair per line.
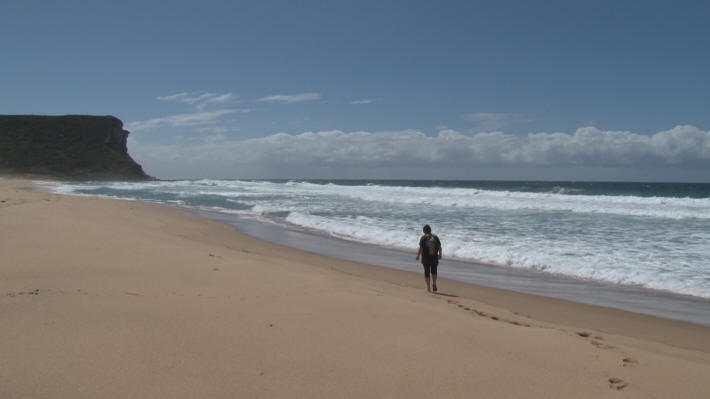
118,299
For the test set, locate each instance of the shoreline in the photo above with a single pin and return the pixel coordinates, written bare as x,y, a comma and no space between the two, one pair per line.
639,269
151,300
662,304
553,309
658,303
413,270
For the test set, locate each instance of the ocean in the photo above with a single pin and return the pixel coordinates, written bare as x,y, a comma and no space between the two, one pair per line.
653,236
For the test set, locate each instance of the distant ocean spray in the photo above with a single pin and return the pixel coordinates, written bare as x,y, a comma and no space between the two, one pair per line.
652,235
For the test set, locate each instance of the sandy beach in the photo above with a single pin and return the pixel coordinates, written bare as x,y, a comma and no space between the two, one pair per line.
119,299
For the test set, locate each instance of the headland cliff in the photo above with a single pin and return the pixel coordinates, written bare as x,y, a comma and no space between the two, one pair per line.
80,147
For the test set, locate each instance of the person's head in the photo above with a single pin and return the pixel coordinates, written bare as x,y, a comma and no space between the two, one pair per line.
427,229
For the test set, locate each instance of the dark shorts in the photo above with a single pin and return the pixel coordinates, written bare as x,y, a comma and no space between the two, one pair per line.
430,267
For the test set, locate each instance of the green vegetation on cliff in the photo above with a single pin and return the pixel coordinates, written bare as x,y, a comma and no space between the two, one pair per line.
69,146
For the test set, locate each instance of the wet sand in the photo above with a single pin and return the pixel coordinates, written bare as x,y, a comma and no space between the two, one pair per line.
102,298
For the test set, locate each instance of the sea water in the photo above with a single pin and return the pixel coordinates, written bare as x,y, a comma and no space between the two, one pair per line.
650,235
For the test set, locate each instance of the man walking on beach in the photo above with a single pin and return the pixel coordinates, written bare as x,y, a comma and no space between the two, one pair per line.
430,252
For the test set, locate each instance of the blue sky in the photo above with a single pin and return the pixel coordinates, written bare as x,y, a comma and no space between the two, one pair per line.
403,89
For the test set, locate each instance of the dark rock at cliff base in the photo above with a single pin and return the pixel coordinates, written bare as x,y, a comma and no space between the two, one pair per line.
71,146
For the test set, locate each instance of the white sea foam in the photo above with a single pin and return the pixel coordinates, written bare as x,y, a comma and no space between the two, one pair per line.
662,207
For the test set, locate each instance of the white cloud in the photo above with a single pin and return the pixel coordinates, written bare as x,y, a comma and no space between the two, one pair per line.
291,98
200,102
216,129
363,101
181,120
286,154
486,121
174,97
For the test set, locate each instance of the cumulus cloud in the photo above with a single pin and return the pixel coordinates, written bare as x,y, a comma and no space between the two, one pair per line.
194,119
681,147
200,101
290,98
486,121
363,101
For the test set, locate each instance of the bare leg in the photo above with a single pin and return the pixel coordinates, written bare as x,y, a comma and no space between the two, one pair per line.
428,285
433,276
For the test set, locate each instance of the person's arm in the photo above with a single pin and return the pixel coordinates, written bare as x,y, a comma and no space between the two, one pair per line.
419,253
441,250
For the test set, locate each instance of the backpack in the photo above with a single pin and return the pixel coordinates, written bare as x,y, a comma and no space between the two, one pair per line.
431,246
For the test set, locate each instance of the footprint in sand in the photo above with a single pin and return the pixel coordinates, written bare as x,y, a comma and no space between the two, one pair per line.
596,341
617,383
600,344
517,323
484,314
629,362
33,292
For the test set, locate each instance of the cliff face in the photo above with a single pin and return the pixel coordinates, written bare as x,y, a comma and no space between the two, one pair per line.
70,146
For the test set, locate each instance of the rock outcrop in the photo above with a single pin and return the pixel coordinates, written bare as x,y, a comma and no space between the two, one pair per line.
78,147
